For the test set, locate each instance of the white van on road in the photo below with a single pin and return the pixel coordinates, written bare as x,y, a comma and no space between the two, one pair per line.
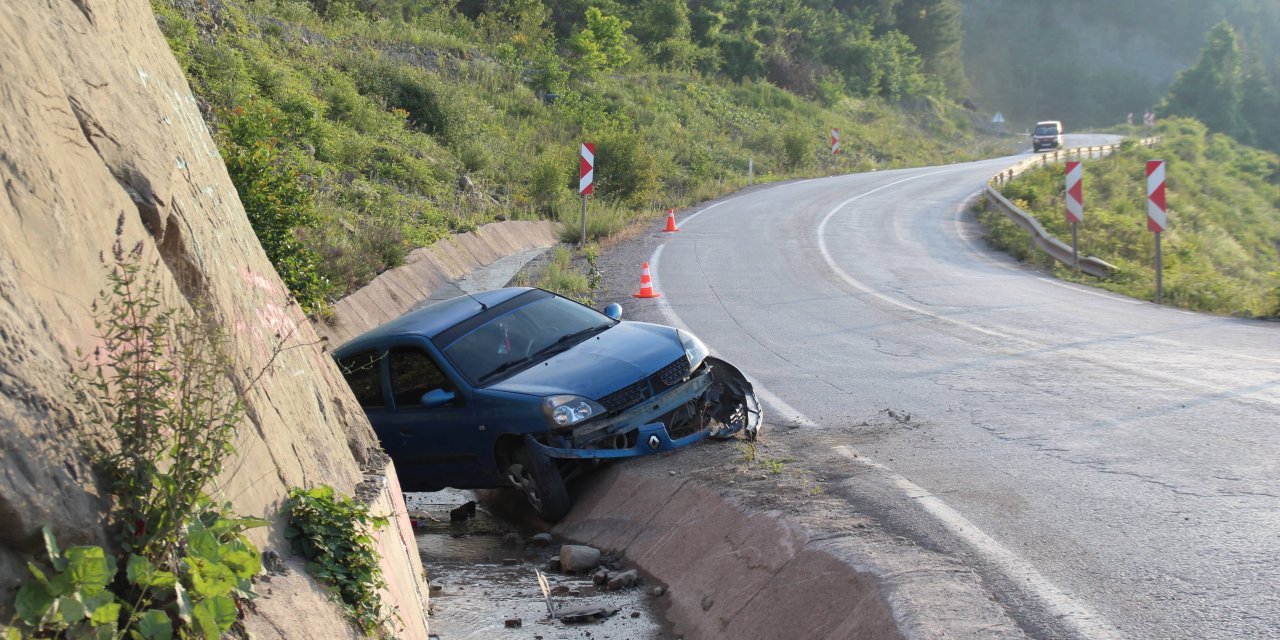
1048,135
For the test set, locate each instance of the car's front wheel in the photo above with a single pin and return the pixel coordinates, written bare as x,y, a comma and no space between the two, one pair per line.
543,486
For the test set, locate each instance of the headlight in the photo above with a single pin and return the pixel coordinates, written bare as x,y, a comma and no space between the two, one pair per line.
566,411
694,350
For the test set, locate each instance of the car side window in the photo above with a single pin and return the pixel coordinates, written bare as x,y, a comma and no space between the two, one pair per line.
413,373
363,372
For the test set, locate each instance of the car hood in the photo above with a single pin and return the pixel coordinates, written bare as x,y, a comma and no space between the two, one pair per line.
625,353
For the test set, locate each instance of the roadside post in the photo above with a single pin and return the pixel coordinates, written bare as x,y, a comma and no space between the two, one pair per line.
586,176
1075,207
835,141
1157,219
751,171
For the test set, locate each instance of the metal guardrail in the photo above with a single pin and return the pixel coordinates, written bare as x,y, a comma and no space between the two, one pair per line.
1040,238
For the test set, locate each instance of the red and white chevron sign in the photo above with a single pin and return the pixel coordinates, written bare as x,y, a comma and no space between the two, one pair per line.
1075,191
835,141
1156,218
588,168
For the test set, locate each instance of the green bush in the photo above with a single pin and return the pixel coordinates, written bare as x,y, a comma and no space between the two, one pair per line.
335,535
275,198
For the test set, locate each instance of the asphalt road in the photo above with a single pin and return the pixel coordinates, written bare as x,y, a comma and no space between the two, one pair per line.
1107,465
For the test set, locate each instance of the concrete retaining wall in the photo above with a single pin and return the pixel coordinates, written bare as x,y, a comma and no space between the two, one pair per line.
732,573
429,271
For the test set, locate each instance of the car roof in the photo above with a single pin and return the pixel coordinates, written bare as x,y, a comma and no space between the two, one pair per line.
1057,122
433,319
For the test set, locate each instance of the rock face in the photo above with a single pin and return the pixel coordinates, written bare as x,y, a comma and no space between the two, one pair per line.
97,122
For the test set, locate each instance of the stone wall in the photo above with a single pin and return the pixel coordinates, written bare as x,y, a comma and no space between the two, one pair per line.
98,125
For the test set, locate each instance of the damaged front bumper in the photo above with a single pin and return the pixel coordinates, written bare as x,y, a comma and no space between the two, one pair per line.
650,436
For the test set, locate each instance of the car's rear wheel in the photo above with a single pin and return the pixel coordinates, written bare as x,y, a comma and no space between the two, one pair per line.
543,486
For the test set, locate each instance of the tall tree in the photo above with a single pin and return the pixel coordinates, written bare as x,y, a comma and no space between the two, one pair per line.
935,28
1210,90
1260,109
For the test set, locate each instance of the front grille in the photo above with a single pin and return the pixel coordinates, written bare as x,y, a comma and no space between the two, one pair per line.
673,373
636,392
626,397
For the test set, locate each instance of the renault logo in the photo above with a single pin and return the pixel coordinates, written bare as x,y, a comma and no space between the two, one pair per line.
654,442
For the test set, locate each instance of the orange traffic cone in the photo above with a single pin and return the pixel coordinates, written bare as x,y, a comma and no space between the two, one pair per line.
671,221
646,289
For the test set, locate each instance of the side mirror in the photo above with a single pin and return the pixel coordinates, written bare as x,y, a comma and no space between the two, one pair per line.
436,398
614,310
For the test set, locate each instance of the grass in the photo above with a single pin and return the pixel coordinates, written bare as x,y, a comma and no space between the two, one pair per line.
407,131
1221,251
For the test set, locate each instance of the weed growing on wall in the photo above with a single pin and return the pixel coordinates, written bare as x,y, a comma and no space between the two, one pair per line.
335,535
160,385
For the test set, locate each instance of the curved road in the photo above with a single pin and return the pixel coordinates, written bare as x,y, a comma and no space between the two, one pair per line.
1109,466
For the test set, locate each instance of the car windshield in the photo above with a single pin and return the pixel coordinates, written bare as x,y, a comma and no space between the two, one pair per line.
1046,130
524,337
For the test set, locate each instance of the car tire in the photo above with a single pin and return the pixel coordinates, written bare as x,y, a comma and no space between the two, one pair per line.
543,486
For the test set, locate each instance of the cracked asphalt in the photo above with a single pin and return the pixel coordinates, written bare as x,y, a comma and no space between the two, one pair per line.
1107,467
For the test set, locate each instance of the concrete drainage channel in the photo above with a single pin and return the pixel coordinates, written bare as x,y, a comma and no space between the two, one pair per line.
709,569
483,561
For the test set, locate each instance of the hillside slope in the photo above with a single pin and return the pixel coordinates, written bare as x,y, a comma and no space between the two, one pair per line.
1221,251
397,128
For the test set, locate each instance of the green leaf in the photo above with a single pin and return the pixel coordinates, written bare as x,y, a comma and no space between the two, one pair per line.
140,571
210,579
39,575
106,613
71,609
251,522
202,544
163,580
215,615
32,602
90,568
51,545
244,564
155,625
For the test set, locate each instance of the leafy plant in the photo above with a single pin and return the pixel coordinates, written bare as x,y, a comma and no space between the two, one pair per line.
274,197
334,534
160,383
73,599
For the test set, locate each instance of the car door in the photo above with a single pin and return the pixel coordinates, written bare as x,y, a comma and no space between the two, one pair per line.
439,443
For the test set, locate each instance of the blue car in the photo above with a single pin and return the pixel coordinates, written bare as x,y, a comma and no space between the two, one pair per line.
522,387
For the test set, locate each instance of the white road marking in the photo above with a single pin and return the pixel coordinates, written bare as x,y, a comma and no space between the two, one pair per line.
690,217
1064,285
1060,605
1144,372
